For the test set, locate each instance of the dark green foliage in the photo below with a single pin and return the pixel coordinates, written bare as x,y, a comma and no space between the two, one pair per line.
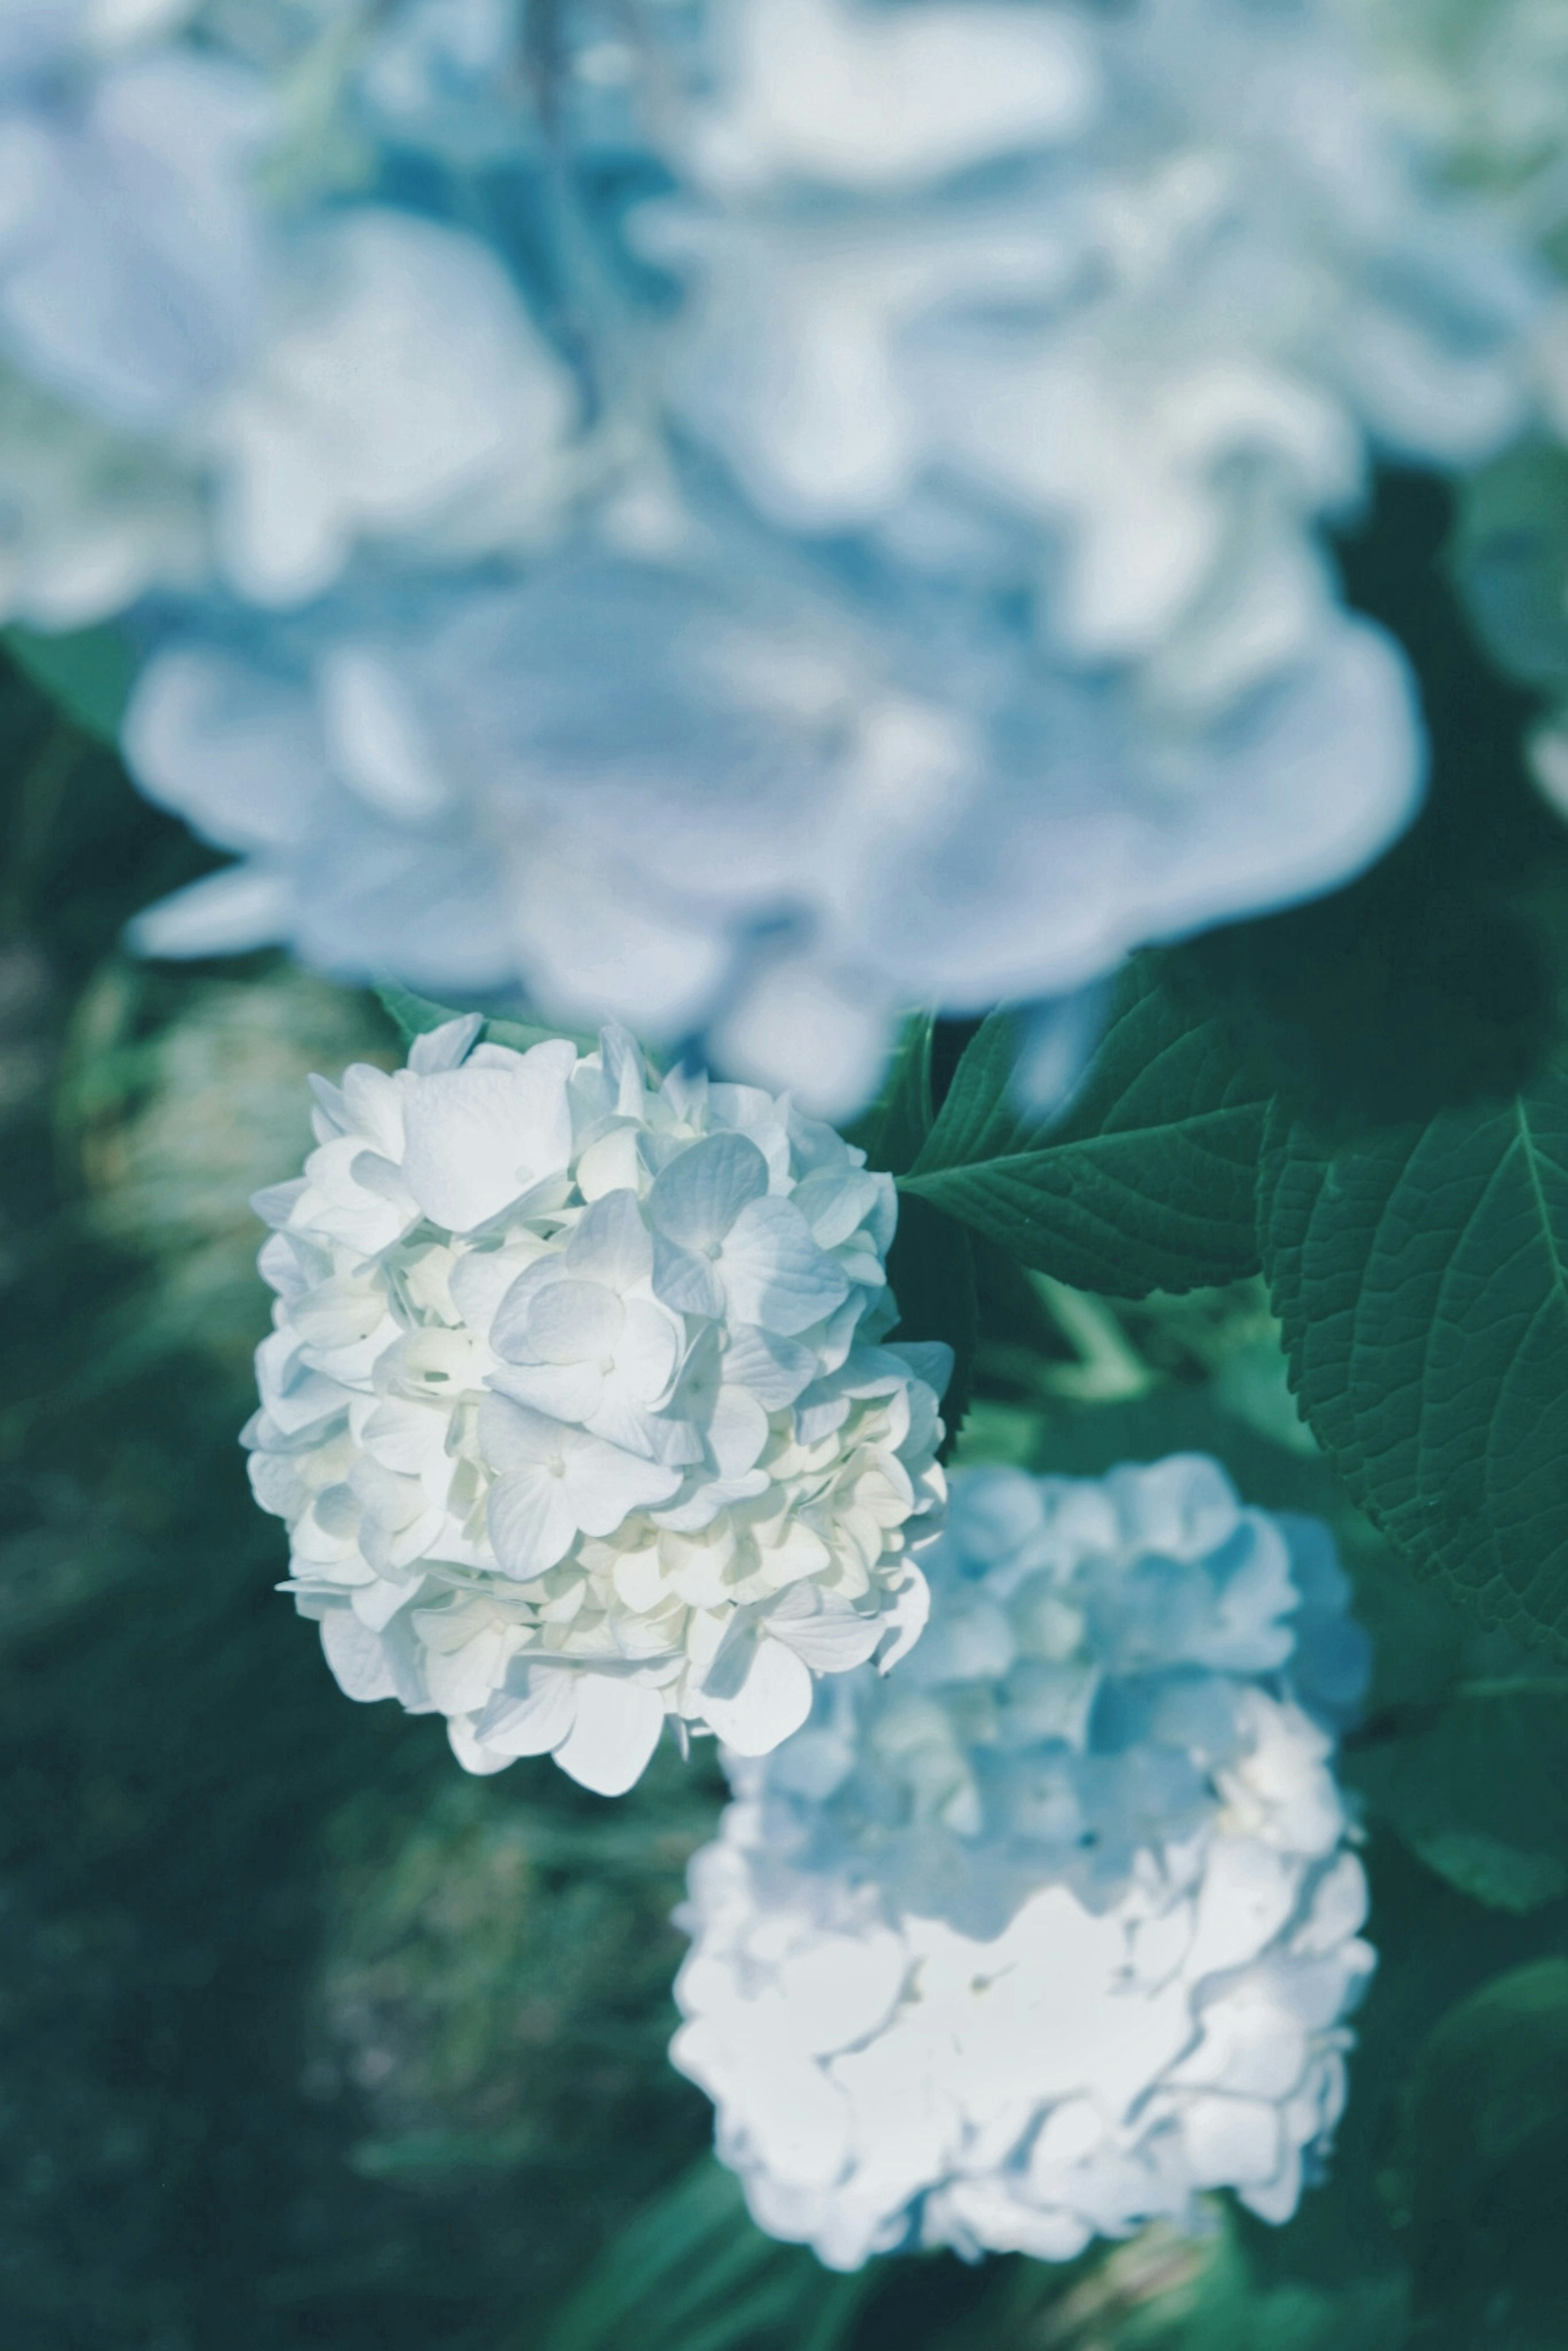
87,673
1476,2180
1479,1788
1146,1184
1510,557
1421,1278
414,1015
931,1265
892,1131
692,2273
1430,980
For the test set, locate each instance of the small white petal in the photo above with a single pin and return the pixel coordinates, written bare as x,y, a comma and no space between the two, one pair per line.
774,1273
688,1283
615,1734
697,1198
448,1046
478,1138
611,1244
771,1703
358,1656
534,1720
530,1521
604,1485
571,1319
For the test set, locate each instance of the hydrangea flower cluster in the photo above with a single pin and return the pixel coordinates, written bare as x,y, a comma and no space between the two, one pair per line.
1058,1927
215,371
579,1404
931,407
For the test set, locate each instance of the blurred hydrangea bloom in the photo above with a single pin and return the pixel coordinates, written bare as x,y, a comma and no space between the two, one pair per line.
1483,85
1144,281
214,369
580,1404
1057,1927
1488,85
862,466
737,798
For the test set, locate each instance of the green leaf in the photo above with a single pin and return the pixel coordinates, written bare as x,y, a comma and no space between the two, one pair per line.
1427,981
1421,1279
1482,1793
88,672
1476,2178
1510,557
892,1133
1172,2287
413,1016
931,1266
692,2272
1146,1183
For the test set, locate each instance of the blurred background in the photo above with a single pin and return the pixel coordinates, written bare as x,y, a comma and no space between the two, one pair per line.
306,2037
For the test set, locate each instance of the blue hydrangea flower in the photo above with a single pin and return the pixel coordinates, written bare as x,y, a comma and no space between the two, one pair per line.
1056,1928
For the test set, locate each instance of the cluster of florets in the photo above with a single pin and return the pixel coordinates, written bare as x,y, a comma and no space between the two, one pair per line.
1058,1927
580,1407
934,408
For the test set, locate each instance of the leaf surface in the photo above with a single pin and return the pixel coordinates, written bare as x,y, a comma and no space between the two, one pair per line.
1421,1279
1146,1183
1481,1792
931,1266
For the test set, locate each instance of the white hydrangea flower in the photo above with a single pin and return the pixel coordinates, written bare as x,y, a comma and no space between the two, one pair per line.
580,1404
1058,1927
1486,88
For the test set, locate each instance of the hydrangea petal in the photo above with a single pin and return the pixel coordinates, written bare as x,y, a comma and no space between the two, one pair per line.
775,1275
615,1732
772,1701
478,1138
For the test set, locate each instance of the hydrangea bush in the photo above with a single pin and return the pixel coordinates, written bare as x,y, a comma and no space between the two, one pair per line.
582,1405
886,550
1058,1928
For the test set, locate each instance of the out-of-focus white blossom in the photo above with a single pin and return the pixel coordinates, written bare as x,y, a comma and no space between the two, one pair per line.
1057,1927
129,261
867,464
933,606
220,376
1118,297
739,797
579,1404
1485,84
89,519
403,393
